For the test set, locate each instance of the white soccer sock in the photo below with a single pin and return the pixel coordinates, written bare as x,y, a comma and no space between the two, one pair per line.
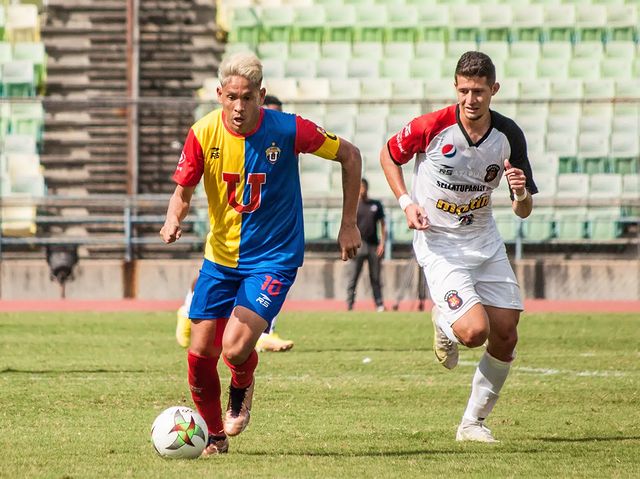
488,380
444,325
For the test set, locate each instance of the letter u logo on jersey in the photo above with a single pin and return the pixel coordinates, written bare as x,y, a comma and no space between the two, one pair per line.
255,182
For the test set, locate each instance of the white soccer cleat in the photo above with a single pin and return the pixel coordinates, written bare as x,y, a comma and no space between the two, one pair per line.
446,351
474,431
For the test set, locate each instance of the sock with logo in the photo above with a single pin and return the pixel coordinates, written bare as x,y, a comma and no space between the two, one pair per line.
204,383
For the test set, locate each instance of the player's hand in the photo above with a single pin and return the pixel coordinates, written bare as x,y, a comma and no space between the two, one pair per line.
349,241
170,232
380,250
516,178
416,217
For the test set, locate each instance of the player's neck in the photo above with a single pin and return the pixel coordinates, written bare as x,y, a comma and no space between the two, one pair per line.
476,129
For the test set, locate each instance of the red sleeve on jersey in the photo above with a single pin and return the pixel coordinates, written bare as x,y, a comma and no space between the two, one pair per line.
309,136
417,134
191,163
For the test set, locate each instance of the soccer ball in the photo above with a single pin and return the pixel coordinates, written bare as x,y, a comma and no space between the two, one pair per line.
179,432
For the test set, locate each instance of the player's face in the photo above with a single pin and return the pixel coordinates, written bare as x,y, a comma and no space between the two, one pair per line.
474,96
240,102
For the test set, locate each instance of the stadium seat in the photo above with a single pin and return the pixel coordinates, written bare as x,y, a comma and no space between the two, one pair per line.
367,50
566,88
308,24
313,89
398,228
426,69
621,49
605,186
398,50
566,148
395,68
339,26
18,221
371,22
433,21
532,89
604,223
622,22
559,22
273,50
17,79
430,50
591,23
616,68
344,88
315,223
571,223
525,49
244,26
630,186
589,49
299,68
464,23
22,24
553,68
593,152
340,124
304,51
573,186
558,50
507,222
273,68
624,89
520,69
285,89
527,23
332,68
371,123
363,68
496,20
277,24
441,90
6,52
402,24
547,185
314,112
539,225
375,88
35,53
407,88
543,164
584,68
17,143
336,50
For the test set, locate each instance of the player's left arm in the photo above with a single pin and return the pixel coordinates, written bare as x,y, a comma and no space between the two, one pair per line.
522,202
383,237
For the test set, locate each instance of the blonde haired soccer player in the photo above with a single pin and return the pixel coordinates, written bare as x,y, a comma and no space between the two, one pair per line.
248,156
461,153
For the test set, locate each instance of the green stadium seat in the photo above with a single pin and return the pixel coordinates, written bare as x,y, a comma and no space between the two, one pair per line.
544,163
363,68
573,186
455,49
35,53
593,153
22,23
332,68
626,124
507,222
525,49
559,23
604,223
497,50
441,90
566,148
617,68
299,68
430,50
336,50
371,124
527,23
621,49
552,68
395,68
340,124
286,89
240,47
398,50
273,68
17,79
558,50
566,88
539,225
245,27
270,50
309,24
313,89
532,89
584,68
496,20
427,69
367,50
547,185
21,144
344,88
607,186
464,23
433,21
371,22
407,110
591,22
304,51
571,223
277,24
622,22
314,111
6,52
402,24
315,223
589,49
399,230
630,186
339,26
520,69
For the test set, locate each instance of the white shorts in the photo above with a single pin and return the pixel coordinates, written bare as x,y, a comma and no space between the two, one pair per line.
455,287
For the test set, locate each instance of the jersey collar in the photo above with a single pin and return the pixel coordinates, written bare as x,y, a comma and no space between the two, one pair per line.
466,135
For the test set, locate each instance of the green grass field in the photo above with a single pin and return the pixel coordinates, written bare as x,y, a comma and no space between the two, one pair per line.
78,394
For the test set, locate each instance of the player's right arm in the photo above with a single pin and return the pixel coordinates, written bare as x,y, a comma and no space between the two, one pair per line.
176,212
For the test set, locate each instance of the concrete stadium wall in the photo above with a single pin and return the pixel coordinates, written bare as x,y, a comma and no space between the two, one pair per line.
317,279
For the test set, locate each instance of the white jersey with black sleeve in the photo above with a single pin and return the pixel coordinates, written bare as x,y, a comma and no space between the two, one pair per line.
454,178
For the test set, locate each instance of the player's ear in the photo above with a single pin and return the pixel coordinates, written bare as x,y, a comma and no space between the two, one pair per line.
495,88
263,92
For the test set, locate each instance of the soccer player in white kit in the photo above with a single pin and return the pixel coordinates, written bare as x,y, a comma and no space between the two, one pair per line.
462,152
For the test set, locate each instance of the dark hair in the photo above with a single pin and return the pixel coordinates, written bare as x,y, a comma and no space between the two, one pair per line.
365,183
476,64
272,100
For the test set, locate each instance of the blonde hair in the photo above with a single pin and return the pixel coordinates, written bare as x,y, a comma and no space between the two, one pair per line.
243,64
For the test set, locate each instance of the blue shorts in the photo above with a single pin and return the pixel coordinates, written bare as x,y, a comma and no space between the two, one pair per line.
220,289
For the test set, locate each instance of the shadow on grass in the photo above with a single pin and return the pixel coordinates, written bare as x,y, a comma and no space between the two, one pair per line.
588,439
414,452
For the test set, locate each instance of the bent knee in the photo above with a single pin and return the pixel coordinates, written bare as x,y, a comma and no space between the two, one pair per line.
473,337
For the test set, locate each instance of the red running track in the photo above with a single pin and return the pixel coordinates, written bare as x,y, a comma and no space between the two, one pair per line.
531,306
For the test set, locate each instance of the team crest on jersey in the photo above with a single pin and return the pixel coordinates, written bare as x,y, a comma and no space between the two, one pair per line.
492,172
273,153
453,300
466,220
449,150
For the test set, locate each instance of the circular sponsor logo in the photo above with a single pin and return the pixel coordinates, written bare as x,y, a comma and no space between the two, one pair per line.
449,151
